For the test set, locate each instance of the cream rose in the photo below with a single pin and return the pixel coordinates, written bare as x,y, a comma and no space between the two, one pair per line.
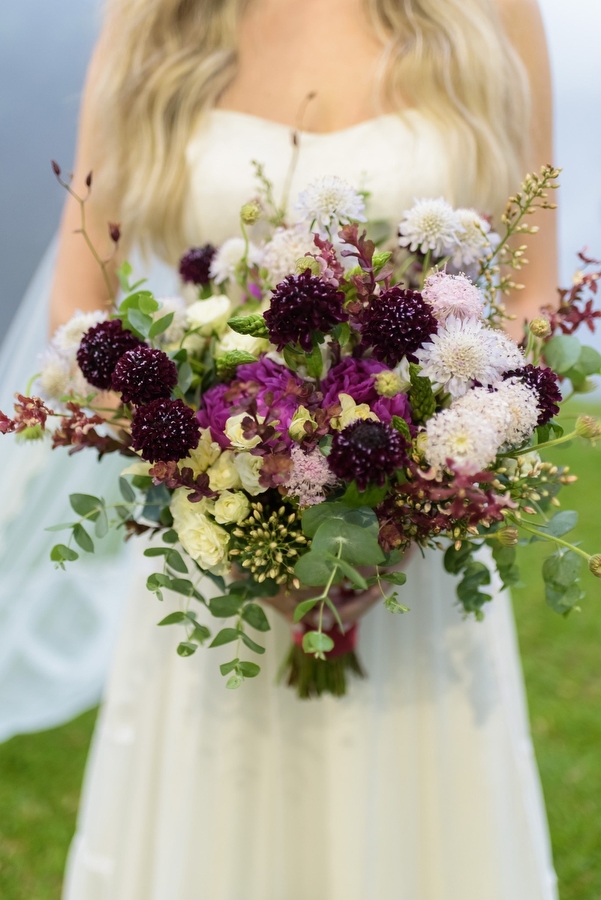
204,455
249,469
235,432
351,412
231,506
297,425
223,474
210,315
205,541
231,340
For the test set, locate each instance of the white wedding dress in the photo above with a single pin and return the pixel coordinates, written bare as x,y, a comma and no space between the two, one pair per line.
420,784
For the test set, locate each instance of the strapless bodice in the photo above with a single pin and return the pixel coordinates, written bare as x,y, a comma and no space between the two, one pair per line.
395,158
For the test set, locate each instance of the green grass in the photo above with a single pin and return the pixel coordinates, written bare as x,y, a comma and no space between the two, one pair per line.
40,774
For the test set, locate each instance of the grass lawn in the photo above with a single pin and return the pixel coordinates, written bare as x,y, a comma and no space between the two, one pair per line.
40,774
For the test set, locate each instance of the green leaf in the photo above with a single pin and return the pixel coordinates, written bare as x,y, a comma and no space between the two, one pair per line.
251,644
226,668
83,538
421,395
133,300
61,553
142,482
64,527
342,333
225,606
398,578
562,601
392,605
185,378
147,303
126,489
173,618
201,633
314,569
468,589
349,572
255,616
317,642
561,523
225,636
170,537
249,669
562,569
304,607
254,325
187,648
233,682
181,586
292,358
402,427
371,497
156,551
161,325
101,525
350,542
325,512
86,505
217,580
456,560
314,363
176,562
123,273
139,321
156,581
562,352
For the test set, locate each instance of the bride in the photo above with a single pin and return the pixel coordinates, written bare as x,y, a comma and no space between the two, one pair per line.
421,783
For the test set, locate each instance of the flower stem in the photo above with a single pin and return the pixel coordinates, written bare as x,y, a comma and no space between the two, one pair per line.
552,538
514,454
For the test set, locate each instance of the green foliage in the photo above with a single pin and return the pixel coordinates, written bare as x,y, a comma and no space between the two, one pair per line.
402,427
460,561
371,497
227,364
254,325
561,573
562,352
505,559
421,396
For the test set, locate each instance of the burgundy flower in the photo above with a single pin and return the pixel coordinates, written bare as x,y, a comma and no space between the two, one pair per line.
143,375
545,383
300,306
396,323
367,452
164,430
195,265
100,350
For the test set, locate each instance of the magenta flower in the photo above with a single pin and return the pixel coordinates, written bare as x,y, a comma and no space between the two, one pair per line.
356,378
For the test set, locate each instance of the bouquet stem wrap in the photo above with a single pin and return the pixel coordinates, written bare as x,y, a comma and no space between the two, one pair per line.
313,677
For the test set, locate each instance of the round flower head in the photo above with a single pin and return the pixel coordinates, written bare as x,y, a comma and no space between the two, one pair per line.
284,249
396,323
511,408
229,256
430,225
100,350
309,477
464,351
453,295
300,306
367,452
545,385
195,265
143,375
164,430
54,380
67,338
475,239
329,202
458,438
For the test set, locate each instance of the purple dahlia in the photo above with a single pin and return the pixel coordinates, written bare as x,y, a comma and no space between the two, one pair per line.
164,430
100,350
367,452
545,383
195,265
396,323
143,375
300,306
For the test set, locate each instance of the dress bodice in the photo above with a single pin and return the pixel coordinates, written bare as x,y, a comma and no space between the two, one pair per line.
394,158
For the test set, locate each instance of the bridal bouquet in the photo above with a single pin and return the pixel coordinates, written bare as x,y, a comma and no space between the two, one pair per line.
318,406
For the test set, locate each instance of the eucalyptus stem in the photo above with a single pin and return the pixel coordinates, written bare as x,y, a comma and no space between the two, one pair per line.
515,454
551,537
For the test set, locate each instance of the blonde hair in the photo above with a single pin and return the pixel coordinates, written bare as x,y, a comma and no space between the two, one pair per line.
169,60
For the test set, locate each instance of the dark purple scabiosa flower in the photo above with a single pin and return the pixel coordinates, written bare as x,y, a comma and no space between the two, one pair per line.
100,350
545,384
367,452
195,265
396,323
143,375
164,430
300,306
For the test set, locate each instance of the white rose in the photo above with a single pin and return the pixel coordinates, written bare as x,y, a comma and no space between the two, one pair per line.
232,506
235,432
204,455
231,340
210,315
223,474
205,541
249,469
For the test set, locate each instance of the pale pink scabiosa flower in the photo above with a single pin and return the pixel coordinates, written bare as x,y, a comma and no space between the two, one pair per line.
453,295
67,337
462,352
430,225
475,239
309,477
229,256
511,408
284,249
327,203
458,436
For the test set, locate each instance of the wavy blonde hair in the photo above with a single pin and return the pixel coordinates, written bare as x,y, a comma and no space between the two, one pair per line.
169,60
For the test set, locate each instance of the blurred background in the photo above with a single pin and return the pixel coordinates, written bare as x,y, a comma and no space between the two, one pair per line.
44,48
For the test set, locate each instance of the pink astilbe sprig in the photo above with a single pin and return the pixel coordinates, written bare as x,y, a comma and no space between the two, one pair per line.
170,474
574,308
309,477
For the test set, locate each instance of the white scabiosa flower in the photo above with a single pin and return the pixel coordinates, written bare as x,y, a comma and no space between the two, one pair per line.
55,375
179,325
511,408
512,355
229,256
475,239
284,249
462,352
68,336
430,225
327,203
457,435
453,295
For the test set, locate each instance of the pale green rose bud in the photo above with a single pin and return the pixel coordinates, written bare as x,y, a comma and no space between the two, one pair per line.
594,565
388,384
250,213
307,262
297,426
540,327
588,427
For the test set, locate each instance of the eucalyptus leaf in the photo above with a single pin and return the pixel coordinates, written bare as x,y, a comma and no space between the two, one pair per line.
161,325
86,505
156,551
371,497
350,572
201,633
225,636
185,377
317,642
187,648
174,618
251,644
225,606
562,352
64,527
314,516
562,601
126,489
392,605
349,542
139,321
304,607
255,616
101,524
176,562
61,553
82,537
226,668
398,578
234,682
315,569
249,669
561,523
170,537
